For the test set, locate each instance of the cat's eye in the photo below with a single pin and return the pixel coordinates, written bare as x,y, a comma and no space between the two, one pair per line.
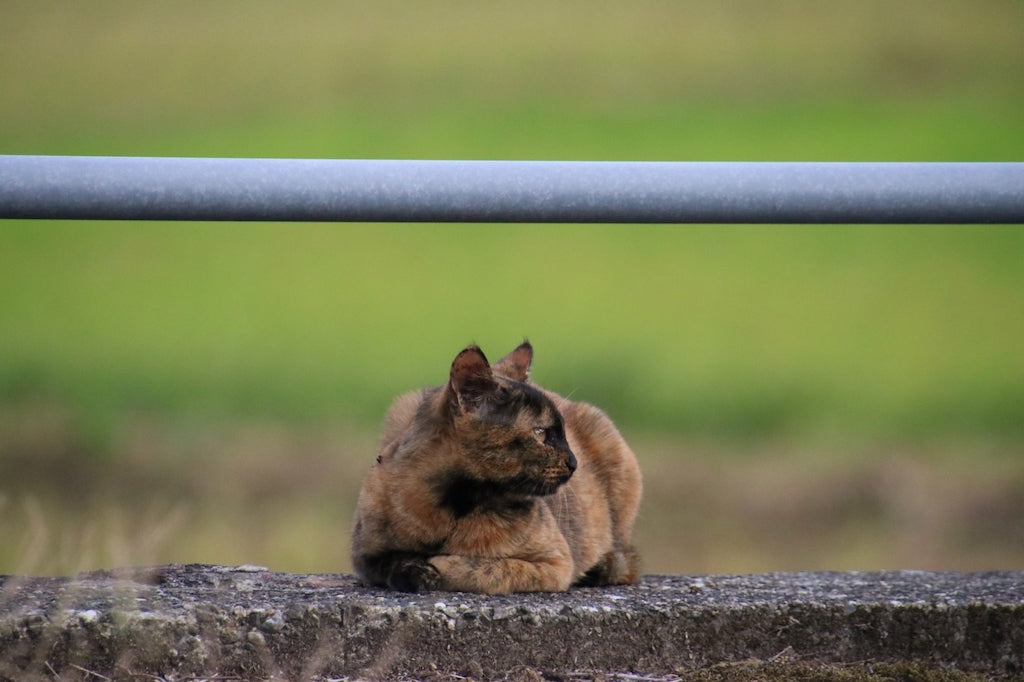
539,431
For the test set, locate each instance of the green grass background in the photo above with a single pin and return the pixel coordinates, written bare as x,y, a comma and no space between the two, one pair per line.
146,367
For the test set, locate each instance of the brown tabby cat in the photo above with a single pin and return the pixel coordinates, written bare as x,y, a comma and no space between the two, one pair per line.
492,484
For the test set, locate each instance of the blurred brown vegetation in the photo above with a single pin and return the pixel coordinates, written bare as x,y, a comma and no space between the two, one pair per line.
236,493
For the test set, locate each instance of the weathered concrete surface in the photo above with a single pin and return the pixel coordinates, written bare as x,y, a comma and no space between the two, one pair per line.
180,621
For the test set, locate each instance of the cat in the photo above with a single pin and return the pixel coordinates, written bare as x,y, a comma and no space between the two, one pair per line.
492,484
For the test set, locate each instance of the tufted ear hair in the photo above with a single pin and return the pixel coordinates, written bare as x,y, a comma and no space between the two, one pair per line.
516,365
471,379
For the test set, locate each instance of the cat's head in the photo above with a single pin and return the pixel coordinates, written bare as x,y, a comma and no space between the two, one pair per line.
511,436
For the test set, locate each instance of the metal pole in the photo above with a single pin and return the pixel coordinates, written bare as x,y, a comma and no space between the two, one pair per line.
143,188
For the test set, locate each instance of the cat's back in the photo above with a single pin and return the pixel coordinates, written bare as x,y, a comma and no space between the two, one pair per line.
404,419
399,417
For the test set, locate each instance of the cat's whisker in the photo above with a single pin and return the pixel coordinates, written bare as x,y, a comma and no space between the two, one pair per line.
565,400
569,490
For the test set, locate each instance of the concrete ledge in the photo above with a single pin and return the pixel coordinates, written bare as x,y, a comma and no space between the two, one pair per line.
176,622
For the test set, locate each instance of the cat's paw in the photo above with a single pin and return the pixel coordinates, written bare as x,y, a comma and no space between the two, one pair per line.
619,567
414,575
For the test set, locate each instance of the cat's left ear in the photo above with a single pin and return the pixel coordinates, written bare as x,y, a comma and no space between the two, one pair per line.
471,378
516,365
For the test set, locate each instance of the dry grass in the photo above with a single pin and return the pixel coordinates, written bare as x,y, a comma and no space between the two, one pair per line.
258,493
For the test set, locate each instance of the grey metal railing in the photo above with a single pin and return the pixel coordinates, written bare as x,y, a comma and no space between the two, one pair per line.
150,188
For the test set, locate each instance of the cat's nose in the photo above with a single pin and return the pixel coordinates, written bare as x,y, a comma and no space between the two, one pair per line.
570,462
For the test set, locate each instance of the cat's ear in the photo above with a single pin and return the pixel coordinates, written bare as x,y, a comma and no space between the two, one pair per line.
516,365
471,378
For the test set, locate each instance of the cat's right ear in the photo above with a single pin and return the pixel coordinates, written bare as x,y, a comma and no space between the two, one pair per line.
471,378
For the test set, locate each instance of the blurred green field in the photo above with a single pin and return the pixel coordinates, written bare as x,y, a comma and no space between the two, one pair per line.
724,331
210,392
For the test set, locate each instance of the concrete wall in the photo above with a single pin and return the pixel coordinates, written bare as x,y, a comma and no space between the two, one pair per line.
181,621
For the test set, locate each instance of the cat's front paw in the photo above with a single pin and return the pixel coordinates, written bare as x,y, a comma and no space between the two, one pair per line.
414,575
